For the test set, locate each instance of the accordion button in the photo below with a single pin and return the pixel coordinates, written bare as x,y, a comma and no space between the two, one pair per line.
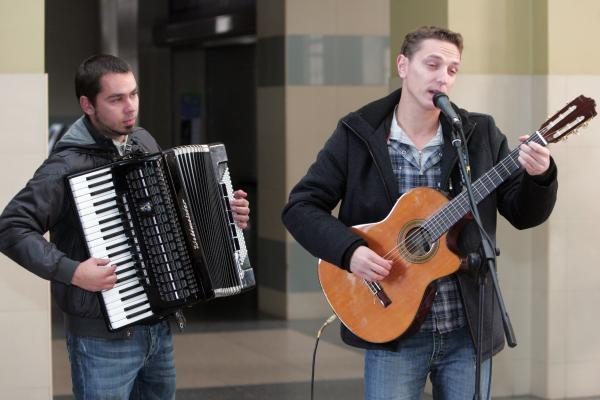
146,208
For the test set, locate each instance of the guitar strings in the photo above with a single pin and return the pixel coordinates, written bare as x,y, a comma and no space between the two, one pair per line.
415,239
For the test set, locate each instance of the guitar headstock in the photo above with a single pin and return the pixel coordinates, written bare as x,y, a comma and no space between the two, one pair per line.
568,119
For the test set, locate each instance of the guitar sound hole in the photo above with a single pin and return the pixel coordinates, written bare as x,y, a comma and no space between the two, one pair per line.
417,242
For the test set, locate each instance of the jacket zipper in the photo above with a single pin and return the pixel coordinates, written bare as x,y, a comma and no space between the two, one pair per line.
387,190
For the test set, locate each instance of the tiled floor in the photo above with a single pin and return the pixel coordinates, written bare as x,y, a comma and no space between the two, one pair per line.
251,359
260,358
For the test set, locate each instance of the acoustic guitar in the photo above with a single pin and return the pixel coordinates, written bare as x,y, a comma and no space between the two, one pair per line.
415,236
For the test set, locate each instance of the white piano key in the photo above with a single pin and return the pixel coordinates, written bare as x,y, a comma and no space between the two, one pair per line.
119,241
92,220
129,321
77,186
124,265
100,234
131,282
86,191
118,305
83,204
126,275
94,210
137,307
84,177
115,290
100,252
115,309
117,296
95,229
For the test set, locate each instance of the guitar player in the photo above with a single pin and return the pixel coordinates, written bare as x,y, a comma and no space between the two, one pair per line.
394,145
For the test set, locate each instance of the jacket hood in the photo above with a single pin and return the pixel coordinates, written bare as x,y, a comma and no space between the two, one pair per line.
78,135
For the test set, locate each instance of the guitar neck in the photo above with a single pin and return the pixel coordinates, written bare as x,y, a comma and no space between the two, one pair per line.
440,222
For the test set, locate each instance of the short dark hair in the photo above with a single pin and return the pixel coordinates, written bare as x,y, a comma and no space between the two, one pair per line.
412,40
92,69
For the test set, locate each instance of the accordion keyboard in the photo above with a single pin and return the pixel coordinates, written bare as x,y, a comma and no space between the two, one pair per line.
107,231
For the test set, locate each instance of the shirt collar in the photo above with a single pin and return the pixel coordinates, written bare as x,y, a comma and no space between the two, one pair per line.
398,134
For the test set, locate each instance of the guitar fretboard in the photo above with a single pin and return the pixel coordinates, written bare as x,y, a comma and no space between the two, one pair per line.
453,211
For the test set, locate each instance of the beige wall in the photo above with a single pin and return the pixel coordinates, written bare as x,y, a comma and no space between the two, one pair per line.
22,36
523,60
25,365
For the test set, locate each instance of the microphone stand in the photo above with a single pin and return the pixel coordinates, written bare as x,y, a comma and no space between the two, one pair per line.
487,264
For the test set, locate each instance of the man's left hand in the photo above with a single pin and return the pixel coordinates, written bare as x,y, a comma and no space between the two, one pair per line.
534,158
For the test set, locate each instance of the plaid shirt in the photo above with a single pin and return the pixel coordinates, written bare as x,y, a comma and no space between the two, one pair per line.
414,168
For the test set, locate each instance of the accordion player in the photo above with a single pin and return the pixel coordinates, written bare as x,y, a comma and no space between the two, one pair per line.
165,221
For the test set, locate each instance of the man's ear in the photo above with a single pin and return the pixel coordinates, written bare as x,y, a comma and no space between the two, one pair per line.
401,65
86,105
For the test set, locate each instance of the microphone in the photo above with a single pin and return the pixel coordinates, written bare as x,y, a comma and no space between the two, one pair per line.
441,101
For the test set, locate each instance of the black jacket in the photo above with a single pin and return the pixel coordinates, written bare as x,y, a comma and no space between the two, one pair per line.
354,167
45,205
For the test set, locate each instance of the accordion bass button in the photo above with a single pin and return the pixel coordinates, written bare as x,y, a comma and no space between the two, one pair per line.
146,208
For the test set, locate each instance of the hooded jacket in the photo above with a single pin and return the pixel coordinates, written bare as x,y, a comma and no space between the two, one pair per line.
46,205
354,168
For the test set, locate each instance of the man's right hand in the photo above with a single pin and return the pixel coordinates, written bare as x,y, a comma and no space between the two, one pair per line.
368,265
94,275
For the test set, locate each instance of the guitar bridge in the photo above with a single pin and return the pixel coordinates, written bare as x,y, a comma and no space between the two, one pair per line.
378,291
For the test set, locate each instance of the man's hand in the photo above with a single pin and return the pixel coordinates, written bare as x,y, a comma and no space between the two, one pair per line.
367,264
534,158
94,274
240,208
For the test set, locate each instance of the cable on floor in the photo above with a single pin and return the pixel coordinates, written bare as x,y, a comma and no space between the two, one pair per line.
314,357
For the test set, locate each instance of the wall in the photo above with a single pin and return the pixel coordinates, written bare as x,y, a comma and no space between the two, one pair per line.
25,338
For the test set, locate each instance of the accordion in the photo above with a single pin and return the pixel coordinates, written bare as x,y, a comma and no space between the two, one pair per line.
165,221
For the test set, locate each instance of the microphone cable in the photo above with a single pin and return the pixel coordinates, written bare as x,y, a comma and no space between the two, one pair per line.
329,320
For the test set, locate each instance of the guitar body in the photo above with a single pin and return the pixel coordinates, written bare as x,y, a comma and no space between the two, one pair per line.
413,270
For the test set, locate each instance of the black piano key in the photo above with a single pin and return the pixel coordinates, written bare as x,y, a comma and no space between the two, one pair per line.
121,243
113,218
108,228
134,306
131,316
112,235
99,203
105,209
127,289
97,192
92,177
128,297
119,280
92,185
123,261
111,255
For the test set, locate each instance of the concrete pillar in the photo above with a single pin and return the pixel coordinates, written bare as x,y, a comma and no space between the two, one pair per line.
25,337
317,61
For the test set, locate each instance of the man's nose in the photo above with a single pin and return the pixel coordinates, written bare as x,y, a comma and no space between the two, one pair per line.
443,77
130,104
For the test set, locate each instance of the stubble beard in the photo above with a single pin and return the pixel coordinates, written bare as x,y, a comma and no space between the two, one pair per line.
113,133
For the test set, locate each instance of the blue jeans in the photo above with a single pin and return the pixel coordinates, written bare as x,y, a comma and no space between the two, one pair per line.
137,367
449,360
